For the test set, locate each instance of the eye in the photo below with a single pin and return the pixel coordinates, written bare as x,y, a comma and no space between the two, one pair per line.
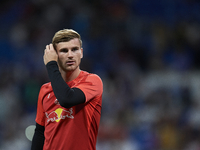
75,49
64,50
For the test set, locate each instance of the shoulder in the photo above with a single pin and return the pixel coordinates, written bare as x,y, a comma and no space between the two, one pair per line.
94,78
91,77
45,88
91,84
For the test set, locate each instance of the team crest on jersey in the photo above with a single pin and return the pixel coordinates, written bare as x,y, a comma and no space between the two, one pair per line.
59,114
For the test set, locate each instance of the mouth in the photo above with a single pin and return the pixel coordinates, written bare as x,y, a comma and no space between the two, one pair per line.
70,62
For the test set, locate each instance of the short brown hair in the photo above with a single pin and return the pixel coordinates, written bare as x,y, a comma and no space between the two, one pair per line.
65,35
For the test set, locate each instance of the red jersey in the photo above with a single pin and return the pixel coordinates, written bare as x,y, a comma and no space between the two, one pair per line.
72,128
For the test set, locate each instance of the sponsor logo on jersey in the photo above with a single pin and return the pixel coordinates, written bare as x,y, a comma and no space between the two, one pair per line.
59,114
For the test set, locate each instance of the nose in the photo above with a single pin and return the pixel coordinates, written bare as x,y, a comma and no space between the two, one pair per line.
70,53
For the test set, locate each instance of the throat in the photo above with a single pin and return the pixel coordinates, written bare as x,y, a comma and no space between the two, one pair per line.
71,75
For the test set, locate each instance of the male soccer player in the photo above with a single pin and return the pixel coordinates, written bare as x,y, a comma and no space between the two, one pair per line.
69,107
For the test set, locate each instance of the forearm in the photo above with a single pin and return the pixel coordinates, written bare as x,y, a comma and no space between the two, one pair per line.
66,96
38,138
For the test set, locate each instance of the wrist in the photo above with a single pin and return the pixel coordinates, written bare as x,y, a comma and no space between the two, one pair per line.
53,62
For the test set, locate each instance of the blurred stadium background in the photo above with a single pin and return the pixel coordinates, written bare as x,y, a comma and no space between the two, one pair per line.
146,52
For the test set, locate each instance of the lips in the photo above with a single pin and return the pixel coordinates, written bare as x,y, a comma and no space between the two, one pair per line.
70,62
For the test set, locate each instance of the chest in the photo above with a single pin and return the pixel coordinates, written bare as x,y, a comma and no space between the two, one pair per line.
50,102
54,112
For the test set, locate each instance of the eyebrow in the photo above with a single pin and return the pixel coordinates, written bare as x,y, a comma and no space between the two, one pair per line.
69,48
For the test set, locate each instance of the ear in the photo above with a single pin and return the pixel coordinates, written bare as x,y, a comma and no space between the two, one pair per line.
81,52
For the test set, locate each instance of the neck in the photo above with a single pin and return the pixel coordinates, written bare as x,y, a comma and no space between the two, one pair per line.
70,75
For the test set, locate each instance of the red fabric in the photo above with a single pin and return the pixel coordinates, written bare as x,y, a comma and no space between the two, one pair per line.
74,128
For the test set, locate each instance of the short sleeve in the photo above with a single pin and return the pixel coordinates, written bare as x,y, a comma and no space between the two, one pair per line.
91,86
40,117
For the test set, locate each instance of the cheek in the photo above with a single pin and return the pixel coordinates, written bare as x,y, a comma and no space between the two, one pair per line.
61,56
80,57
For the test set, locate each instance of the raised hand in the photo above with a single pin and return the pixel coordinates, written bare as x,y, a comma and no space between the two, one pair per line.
50,54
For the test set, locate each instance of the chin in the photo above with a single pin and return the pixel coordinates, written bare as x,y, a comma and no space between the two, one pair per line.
71,68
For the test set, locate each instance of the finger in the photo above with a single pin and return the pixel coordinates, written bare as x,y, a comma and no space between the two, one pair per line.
51,46
47,47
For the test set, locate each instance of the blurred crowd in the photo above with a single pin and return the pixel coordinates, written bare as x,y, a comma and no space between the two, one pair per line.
146,52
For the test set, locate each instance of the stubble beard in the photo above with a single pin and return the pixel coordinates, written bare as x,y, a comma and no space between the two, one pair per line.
65,68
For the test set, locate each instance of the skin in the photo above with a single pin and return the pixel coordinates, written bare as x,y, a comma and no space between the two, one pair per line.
68,56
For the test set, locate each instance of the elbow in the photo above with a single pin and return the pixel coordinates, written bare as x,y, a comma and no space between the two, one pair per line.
64,104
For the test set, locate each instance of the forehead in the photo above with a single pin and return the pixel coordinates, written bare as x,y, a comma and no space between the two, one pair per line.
70,44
